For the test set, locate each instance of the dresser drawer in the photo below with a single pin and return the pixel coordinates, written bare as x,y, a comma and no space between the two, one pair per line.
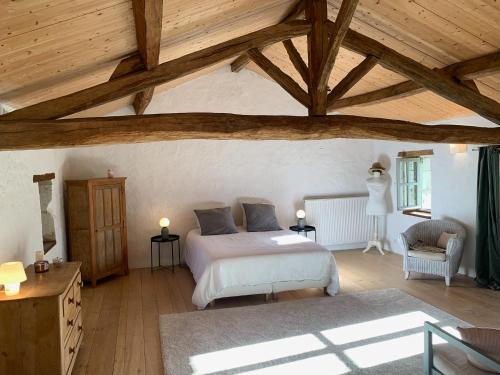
69,312
73,343
77,285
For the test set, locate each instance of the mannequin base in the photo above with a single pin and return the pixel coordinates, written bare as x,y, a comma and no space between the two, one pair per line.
374,243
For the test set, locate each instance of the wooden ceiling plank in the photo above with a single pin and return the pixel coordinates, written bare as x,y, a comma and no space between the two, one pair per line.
337,34
296,11
284,80
296,60
353,77
477,67
39,134
317,44
163,73
428,78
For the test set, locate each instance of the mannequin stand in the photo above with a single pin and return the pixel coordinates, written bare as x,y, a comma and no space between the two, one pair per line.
375,242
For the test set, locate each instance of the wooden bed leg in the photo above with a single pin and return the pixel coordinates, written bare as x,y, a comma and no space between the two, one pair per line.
325,292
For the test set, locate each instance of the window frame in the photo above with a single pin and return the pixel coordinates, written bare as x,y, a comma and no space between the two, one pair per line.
400,162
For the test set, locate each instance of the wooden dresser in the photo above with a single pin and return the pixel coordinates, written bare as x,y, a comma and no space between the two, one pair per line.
96,226
41,328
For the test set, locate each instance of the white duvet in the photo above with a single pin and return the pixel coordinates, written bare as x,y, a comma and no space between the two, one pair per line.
255,258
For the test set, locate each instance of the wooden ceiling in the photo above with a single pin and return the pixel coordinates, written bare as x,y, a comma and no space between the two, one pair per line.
50,48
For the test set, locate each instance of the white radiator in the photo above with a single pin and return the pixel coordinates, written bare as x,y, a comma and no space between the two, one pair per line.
341,223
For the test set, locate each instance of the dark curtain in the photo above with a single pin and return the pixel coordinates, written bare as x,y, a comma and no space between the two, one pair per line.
487,219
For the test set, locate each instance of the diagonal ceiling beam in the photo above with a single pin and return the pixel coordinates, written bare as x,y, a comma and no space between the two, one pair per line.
473,68
337,34
432,80
37,134
353,77
296,11
297,60
284,80
168,71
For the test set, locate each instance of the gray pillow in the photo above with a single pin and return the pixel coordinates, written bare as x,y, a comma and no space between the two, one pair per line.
216,221
260,217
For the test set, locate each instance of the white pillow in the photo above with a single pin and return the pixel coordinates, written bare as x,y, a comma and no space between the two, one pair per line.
206,206
443,239
250,201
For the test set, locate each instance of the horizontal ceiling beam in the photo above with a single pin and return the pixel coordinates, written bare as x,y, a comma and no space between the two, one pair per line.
469,69
168,71
40,134
432,80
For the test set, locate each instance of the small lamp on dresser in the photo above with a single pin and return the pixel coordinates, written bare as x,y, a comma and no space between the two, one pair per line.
11,276
164,223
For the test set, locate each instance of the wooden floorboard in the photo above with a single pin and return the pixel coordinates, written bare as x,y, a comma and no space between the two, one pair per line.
121,314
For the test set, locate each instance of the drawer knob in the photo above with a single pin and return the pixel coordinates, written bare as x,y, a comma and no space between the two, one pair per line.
70,322
80,283
80,327
71,350
70,301
78,303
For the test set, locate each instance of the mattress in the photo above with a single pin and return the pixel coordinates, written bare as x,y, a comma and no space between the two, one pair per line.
250,259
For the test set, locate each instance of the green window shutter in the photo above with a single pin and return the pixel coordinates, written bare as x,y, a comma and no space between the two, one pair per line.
409,177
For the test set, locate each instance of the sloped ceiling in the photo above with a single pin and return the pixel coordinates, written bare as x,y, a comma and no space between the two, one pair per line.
50,48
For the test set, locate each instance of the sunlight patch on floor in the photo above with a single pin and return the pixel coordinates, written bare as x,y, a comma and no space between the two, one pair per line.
252,354
379,327
327,364
375,354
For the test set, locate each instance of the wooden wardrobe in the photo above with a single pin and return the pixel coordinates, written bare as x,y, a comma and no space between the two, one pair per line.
96,226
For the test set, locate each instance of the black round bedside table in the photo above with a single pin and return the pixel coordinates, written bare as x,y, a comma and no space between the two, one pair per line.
159,240
305,229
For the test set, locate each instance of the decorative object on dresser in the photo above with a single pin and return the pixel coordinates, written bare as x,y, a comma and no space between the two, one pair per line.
41,328
96,226
159,240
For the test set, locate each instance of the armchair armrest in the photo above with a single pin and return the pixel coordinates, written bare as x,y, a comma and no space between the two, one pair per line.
404,243
454,248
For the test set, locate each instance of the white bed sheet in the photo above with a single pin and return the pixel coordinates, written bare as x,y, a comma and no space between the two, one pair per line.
255,258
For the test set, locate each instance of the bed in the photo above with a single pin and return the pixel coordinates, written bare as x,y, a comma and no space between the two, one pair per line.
247,263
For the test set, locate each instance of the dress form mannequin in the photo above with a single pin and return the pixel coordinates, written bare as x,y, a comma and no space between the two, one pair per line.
377,205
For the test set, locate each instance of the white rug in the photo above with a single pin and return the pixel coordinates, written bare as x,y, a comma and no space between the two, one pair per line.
376,332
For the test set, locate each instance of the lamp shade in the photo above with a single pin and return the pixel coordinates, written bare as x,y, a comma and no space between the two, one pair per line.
301,214
164,222
12,272
11,275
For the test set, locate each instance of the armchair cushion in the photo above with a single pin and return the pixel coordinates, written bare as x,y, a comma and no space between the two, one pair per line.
439,256
452,361
443,239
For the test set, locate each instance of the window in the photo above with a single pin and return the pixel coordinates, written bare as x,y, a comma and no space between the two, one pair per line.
414,185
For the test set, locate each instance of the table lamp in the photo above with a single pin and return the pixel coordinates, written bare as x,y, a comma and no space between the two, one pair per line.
164,223
11,276
301,222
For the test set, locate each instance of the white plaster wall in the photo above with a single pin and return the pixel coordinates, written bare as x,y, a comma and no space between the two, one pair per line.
454,178
20,217
170,178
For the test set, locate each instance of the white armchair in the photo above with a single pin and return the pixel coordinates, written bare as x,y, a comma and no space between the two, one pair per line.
428,232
